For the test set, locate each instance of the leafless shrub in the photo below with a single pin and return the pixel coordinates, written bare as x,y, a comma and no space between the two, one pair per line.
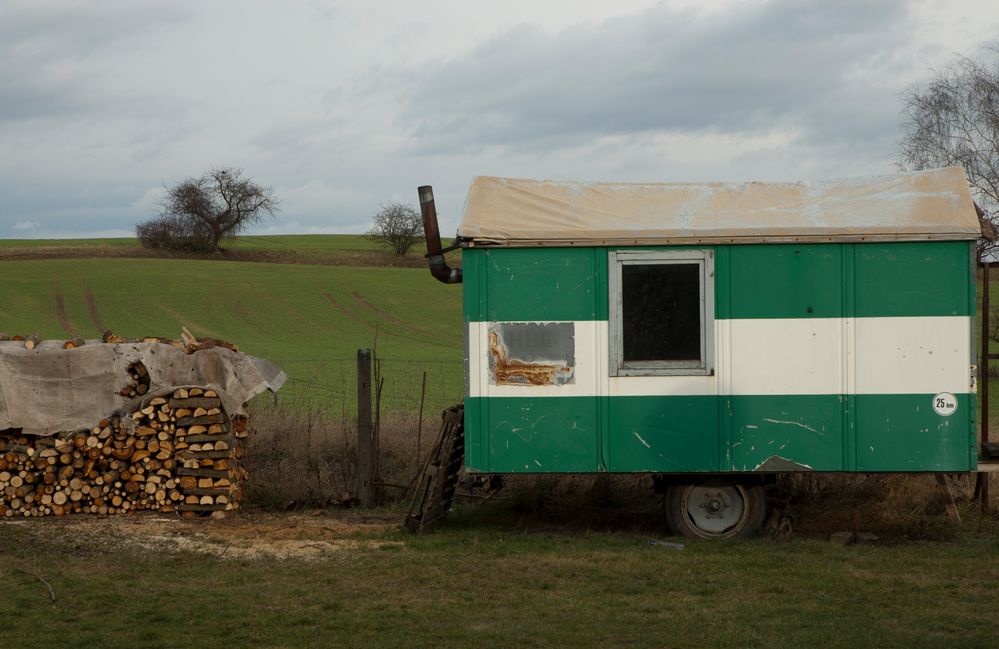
170,232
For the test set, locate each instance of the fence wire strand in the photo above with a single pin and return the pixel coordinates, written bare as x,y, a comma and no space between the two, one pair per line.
331,384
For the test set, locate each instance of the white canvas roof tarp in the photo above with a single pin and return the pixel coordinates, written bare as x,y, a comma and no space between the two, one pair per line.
933,204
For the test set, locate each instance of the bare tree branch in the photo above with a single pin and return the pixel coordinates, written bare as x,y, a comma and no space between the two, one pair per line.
32,573
953,120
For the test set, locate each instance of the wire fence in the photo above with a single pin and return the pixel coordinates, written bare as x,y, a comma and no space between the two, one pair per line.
400,385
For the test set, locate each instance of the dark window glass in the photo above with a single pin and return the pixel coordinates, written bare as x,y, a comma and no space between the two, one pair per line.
661,312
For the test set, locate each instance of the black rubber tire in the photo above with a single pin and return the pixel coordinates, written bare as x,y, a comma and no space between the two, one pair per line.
754,497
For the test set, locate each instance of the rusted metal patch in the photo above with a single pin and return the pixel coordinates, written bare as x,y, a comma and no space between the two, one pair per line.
532,353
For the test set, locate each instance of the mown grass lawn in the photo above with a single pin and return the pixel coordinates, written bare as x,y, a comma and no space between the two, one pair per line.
476,583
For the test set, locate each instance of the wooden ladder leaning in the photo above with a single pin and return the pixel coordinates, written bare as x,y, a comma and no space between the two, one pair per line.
435,489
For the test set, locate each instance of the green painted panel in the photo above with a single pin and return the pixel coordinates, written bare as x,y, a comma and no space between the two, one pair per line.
903,433
535,284
526,435
475,411
472,283
691,433
805,429
782,281
663,434
918,278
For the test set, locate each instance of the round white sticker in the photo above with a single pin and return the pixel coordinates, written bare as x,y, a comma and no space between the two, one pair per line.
945,404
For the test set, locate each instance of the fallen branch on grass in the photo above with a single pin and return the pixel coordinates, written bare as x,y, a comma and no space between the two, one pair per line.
31,573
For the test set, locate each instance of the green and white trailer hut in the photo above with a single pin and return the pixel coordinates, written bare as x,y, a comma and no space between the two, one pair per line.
715,333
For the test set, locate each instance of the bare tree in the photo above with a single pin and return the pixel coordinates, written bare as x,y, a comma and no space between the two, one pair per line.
398,225
953,119
199,213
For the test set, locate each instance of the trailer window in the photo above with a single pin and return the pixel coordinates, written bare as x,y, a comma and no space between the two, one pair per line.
661,315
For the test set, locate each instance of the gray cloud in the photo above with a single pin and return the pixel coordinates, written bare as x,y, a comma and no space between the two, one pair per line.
787,64
50,53
341,105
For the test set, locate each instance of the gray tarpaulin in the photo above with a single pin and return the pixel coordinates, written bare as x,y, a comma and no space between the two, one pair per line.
50,389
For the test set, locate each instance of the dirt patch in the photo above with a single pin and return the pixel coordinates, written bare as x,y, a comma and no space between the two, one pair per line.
342,308
60,309
240,535
347,312
385,315
337,258
95,315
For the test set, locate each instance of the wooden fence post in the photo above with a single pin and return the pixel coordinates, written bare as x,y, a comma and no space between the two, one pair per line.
366,461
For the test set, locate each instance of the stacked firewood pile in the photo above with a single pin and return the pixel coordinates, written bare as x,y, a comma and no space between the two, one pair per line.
138,383
170,449
179,452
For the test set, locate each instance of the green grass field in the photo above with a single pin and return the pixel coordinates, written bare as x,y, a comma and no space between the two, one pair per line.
309,319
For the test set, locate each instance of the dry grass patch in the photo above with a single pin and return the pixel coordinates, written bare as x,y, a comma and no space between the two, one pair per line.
307,458
893,506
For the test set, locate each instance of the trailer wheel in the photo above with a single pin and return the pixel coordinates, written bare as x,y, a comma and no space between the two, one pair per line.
716,508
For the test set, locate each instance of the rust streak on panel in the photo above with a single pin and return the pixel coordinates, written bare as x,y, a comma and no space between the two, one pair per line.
507,371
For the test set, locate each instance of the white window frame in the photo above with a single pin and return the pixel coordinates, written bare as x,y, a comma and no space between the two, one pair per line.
705,262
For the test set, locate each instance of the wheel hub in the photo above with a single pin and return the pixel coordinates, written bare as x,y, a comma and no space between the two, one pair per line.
715,510
715,503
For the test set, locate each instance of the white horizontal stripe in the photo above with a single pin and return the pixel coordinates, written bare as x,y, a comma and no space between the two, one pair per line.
785,356
913,355
918,355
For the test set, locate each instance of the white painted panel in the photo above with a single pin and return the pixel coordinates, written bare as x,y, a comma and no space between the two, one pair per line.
913,355
786,356
641,386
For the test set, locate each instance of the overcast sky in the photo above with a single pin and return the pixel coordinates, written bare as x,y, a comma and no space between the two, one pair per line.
341,106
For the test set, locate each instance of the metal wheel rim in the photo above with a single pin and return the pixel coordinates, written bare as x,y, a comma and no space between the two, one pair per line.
715,509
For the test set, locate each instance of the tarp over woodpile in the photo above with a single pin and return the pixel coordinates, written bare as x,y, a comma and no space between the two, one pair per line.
924,205
50,389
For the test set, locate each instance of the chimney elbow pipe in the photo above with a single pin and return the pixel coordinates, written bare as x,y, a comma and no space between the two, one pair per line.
431,233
